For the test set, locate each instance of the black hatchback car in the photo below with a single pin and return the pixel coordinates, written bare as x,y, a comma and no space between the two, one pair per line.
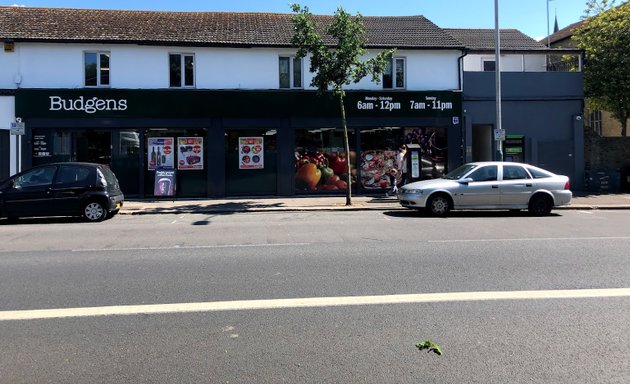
62,189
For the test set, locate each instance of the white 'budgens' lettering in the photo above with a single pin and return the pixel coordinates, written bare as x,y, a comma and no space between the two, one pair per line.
89,106
55,103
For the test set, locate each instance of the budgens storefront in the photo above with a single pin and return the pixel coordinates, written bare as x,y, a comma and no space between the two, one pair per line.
241,143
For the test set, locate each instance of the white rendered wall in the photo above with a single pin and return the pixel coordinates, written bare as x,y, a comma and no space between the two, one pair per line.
509,62
39,65
7,116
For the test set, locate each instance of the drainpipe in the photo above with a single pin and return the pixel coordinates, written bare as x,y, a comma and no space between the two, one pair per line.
462,123
460,69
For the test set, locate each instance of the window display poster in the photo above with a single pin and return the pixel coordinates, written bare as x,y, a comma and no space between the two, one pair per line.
164,183
190,153
433,147
160,152
250,153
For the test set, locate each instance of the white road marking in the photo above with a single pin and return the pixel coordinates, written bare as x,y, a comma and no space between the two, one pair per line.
529,239
312,302
189,247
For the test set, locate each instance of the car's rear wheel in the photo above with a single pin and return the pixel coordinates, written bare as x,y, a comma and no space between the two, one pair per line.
439,205
540,205
94,211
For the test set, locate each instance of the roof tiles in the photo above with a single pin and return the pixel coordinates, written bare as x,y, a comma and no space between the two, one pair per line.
201,28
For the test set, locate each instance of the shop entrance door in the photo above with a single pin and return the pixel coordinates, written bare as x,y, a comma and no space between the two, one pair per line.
251,162
482,142
4,154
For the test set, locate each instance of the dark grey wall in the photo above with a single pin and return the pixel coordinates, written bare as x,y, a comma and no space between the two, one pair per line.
546,107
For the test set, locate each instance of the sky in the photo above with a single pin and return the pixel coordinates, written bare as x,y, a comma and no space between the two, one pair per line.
528,16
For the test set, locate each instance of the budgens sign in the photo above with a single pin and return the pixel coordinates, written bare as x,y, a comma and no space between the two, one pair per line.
87,105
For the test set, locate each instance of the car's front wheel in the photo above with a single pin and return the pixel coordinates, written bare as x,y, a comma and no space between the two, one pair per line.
94,211
540,205
439,205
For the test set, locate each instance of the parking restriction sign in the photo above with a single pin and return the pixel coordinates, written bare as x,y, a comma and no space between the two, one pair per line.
18,127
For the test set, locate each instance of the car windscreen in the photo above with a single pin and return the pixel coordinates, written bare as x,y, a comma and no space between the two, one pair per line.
459,172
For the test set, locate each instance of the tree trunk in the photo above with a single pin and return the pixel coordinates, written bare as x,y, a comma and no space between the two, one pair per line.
347,144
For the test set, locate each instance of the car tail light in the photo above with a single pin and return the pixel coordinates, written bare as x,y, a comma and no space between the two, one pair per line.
567,185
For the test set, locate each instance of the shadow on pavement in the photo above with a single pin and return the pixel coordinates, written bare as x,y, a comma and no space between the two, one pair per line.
466,214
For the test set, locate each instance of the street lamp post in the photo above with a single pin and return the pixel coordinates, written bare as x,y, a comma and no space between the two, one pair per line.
497,76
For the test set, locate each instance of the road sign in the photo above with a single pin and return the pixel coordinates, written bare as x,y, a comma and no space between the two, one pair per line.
499,134
18,128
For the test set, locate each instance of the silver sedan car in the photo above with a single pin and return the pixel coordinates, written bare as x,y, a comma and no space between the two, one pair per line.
489,185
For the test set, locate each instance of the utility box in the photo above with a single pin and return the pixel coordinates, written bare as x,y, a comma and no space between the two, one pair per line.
414,162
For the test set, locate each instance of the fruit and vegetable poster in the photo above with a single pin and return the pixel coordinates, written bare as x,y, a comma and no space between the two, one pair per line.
190,153
160,152
250,153
375,166
322,170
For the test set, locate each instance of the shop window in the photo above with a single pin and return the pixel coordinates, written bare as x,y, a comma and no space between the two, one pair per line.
320,160
96,68
394,74
181,70
290,70
433,149
379,155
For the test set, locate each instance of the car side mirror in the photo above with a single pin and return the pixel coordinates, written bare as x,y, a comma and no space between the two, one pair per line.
465,180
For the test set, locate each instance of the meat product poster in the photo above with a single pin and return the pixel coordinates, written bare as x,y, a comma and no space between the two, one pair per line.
190,153
250,153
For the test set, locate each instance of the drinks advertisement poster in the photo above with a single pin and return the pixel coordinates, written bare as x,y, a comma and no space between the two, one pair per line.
164,183
160,152
190,153
250,153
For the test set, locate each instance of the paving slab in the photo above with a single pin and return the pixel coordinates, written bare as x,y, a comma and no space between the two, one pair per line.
310,203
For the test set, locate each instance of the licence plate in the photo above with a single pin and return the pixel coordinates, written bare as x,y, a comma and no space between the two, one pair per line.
117,205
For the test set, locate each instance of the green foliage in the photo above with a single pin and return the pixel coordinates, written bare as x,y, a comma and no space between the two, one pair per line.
336,57
430,347
594,7
338,61
604,39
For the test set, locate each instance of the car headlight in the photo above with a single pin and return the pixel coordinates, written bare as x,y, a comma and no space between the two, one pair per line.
412,191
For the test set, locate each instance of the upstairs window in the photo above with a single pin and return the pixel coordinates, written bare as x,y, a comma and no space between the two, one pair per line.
181,70
394,74
96,69
489,65
290,72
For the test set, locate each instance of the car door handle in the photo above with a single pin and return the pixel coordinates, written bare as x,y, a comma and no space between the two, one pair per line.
495,186
528,184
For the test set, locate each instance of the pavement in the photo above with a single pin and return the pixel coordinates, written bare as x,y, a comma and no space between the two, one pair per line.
580,201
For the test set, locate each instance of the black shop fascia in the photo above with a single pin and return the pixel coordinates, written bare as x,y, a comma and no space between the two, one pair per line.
119,126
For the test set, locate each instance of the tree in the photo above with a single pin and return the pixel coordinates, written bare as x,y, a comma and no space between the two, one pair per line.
604,38
340,64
